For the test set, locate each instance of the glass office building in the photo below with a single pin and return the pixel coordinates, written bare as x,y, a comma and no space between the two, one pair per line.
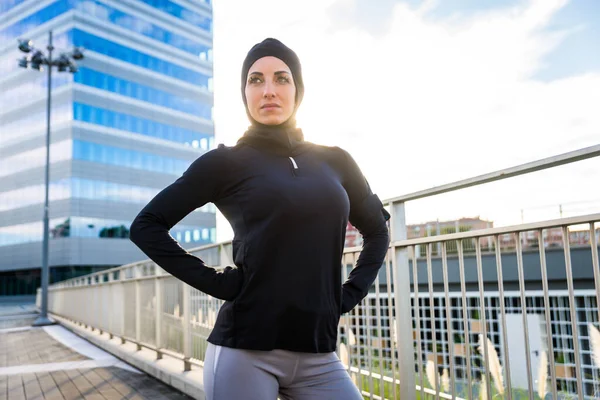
126,125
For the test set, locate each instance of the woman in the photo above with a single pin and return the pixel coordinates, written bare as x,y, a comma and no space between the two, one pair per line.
288,202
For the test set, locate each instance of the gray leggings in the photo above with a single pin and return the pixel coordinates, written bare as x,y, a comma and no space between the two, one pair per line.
235,374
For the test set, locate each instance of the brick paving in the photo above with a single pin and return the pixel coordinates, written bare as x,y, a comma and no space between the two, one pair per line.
36,347
33,347
94,383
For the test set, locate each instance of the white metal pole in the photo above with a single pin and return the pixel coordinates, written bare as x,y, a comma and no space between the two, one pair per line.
406,359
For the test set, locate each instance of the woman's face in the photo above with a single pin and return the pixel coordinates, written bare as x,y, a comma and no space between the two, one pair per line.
270,91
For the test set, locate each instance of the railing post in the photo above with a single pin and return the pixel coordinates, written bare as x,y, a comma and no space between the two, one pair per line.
187,332
90,305
406,361
111,297
138,325
99,300
123,303
158,311
224,259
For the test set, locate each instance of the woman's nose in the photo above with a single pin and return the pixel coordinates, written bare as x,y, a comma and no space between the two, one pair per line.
268,90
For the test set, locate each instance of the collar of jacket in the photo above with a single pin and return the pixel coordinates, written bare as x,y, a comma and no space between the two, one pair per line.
284,140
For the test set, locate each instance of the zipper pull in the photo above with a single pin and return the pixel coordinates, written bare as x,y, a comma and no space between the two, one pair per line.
294,163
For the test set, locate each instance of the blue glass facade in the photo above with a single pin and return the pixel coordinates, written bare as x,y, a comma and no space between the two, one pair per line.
94,152
94,227
104,12
142,92
44,15
172,110
79,188
135,57
111,155
183,13
6,5
147,28
26,126
143,126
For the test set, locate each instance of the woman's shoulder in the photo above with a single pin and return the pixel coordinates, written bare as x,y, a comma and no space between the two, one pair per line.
222,153
218,159
332,153
324,149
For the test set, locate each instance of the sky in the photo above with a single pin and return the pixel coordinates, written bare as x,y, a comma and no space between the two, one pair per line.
424,93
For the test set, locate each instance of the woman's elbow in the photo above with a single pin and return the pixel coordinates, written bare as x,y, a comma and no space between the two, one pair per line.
135,230
384,234
379,230
379,237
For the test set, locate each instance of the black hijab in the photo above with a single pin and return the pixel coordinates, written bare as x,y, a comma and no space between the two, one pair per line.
284,138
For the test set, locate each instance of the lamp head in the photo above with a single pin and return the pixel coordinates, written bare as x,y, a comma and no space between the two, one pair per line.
77,53
37,59
23,62
63,62
25,45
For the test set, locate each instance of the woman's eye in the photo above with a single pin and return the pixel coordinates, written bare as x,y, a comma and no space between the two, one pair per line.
284,79
254,80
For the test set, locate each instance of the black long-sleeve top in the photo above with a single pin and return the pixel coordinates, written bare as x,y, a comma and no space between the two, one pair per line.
288,206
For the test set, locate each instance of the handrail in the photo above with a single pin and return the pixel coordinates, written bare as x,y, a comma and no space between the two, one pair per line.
139,263
581,219
534,166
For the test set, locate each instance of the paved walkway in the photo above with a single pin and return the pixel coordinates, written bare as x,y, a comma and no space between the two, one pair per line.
32,346
53,363
14,315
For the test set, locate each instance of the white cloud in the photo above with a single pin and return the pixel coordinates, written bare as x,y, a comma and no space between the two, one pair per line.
429,102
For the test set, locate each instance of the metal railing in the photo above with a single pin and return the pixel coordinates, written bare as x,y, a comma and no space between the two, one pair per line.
453,314
143,304
459,342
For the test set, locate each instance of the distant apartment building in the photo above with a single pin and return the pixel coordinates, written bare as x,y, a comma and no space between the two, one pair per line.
551,237
432,228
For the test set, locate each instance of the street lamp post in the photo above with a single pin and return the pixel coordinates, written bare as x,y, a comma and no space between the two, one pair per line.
63,62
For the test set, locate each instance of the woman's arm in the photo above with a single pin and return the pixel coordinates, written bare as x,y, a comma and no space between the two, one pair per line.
369,217
201,183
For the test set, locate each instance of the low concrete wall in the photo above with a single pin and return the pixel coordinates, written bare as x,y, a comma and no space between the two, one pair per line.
168,370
